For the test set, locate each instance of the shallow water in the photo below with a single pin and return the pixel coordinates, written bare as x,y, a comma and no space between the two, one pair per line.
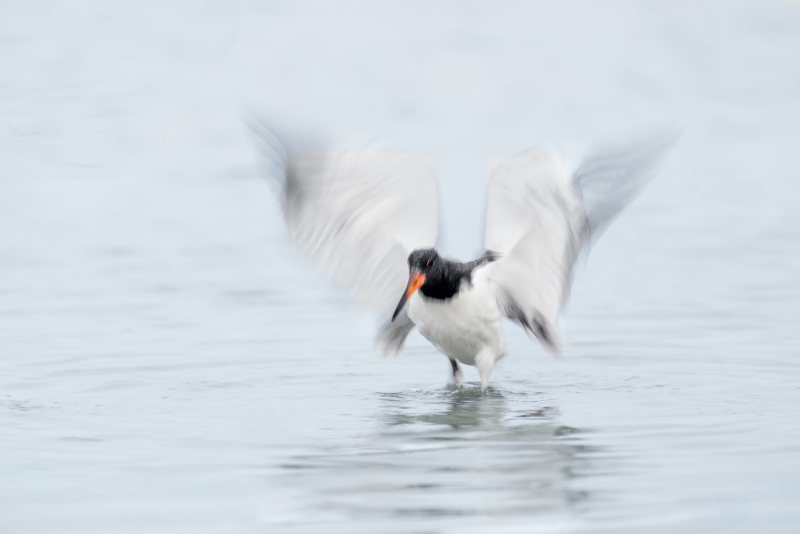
170,363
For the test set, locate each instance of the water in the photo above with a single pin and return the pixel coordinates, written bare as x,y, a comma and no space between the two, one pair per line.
171,364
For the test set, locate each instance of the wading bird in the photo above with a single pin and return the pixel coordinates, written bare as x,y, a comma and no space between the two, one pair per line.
370,218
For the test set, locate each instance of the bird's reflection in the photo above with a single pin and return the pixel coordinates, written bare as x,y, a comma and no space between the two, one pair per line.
458,454
507,451
465,408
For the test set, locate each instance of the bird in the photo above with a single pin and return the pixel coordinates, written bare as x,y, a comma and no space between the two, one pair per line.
369,216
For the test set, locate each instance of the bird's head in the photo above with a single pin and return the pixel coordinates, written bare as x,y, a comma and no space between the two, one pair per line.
420,264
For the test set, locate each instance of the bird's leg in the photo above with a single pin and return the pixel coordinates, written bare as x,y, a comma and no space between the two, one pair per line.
484,361
458,376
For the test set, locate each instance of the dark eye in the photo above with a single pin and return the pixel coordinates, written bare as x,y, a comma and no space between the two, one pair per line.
428,263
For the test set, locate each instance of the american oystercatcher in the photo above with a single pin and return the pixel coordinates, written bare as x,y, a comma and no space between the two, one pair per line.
369,217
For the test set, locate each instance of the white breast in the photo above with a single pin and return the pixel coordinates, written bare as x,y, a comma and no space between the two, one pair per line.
464,325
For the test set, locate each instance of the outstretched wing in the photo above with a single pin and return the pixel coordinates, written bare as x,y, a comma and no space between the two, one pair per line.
359,213
540,216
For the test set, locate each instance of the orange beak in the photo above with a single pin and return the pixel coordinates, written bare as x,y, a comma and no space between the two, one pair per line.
415,281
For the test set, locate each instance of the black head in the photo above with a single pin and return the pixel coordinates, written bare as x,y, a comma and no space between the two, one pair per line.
423,260
427,270
436,277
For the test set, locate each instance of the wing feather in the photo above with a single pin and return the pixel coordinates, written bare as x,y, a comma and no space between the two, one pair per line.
359,213
540,216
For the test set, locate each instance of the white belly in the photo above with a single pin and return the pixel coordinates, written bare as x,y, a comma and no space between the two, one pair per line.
464,325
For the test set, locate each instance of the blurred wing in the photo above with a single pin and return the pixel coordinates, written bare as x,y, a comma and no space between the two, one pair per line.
537,226
393,334
360,214
540,216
